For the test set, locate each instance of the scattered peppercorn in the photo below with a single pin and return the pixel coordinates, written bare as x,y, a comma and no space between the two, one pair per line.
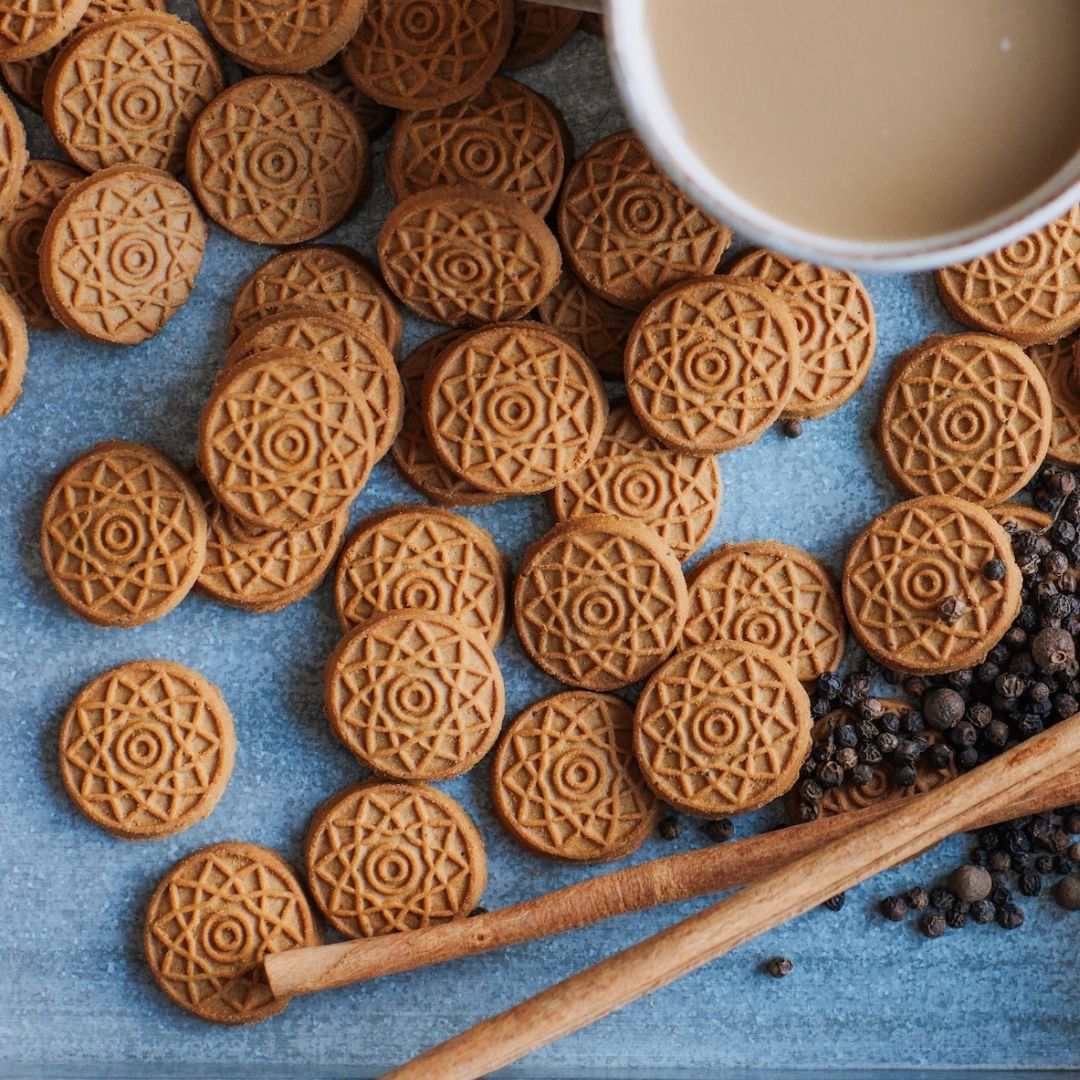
957,918
894,908
952,609
721,830
982,912
994,570
835,903
1010,917
792,428
933,925
670,828
942,899
1030,884
918,899
779,967
970,883
1074,853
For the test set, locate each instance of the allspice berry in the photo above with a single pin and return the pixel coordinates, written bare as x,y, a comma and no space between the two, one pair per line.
943,708
1053,649
1067,892
971,883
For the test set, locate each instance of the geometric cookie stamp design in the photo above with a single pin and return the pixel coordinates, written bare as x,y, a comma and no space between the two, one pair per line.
30,27
1057,364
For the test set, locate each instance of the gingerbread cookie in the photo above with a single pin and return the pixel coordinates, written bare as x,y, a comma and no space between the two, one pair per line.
30,27
600,602
14,349
462,256
592,325
907,562
712,363
215,916
539,29
1017,517
386,857
1057,366
13,156
123,535
967,415
277,160
415,695
372,116
564,781
425,559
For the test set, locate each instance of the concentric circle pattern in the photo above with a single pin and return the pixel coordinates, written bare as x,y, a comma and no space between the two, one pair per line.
1057,365
14,349
31,27
539,29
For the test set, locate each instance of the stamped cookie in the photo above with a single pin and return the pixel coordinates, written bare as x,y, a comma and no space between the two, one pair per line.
428,53
564,781
13,155
425,559
277,160
123,535
215,916
1018,517
147,749
600,602
712,363
1057,366
633,475
14,349
592,325
462,256
835,321
30,27
722,728
372,116
386,857
415,695
967,415
539,29
120,254
911,559
627,230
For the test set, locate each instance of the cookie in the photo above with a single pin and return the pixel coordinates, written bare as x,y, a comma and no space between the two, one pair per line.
30,27
211,922
1057,366
539,29
628,232
633,475
564,781
911,559
14,349
372,116
13,156
127,91
462,256
425,559
712,363
277,160
721,729
1028,292
415,695
386,857
147,749
428,53
120,254
505,137
123,535
967,415
835,321
600,602
1018,517
285,441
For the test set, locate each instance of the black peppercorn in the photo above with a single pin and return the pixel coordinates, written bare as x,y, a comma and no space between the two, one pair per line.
846,735
1071,823
982,912
791,427
916,685
957,919
933,926
847,757
912,722
670,828
821,707
830,774
918,899
905,776
721,830
962,734
811,791
994,570
1030,884
869,754
1065,705
890,722
943,708
1010,917
1044,864
940,756
1000,896
967,758
952,609
779,967
829,684
862,775
1009,685
835,903
894,908
996,733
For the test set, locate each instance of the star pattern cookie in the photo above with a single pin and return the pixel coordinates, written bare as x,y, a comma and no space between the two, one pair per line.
13,155
1018,517
1057,366
30,27
14,349
593,326
539,29
372,116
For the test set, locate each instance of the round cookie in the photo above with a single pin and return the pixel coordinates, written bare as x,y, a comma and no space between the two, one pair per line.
462,256
835,321
277,160
147,749
372,116
967,415
1018,517
505,137
415,695
627,230
285,441
14,349
424,559
600,602
30,27
120,254
907,562
564,781
721,729
539,29
428,53
123,535
213,919
635,476
387,857
1057,366
513,409
712,363
13,155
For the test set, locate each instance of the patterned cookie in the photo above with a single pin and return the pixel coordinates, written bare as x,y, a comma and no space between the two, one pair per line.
600,602
505,137
513,409
372,116
462,256
123,535
835,321
215,916
277,160
539,29
425,559
30,27
564,781
633,475
1057,366
627,230
428,53
1017,517
13,155
592,325
907,562
384,857
14,349
722,728
415,695
771,595
712,363
127,91
147,749
967,415
120,254
285,441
